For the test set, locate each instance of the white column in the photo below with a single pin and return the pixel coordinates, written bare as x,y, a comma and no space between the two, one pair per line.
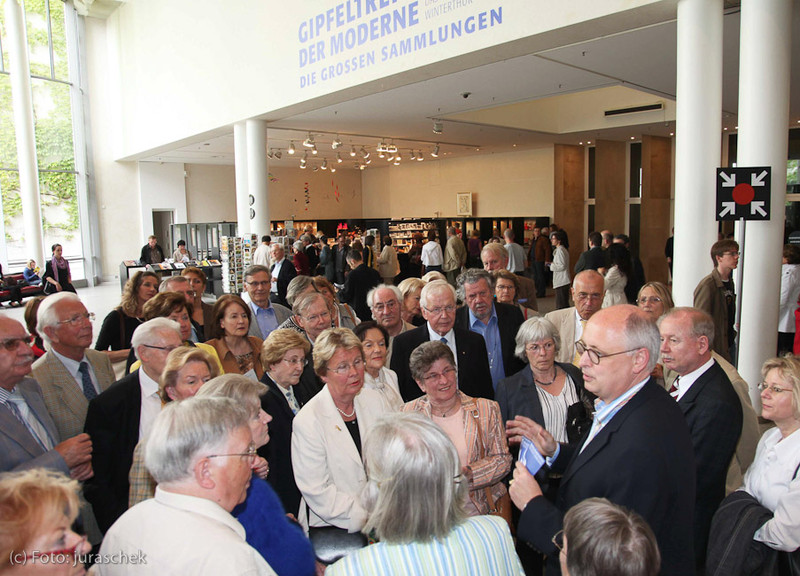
242,191
697,141
258,175
23,123
764,74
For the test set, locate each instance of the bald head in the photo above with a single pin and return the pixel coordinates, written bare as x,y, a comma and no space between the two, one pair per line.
588,290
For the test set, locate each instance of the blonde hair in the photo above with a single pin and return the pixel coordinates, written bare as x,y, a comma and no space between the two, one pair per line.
176,361
30,503
328,342
789,369
278,343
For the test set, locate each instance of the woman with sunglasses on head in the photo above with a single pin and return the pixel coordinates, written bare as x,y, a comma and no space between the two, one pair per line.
328,433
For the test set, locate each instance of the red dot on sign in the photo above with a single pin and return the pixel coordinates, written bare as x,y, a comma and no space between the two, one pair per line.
743,193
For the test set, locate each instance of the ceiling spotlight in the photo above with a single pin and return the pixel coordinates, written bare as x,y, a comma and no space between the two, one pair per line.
269,153
352,151
399,157
305,157
309,142
381,154
397,161
315,168
420,156
333,169
367,160
291,148
392,149
314,150
325,164
390,158
338,158
413,155
364,153
435,152
278,154
437,127
303,164
336,143
381,147
362,167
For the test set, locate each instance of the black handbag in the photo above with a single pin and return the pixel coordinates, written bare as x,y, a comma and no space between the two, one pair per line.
331,543
579,421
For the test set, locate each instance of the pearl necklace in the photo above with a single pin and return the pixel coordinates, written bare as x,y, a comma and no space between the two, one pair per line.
345,414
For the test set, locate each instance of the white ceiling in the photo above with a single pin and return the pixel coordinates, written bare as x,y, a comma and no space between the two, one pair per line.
643,60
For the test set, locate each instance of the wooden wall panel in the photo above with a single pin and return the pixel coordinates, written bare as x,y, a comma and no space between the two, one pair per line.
569,196
656,186
610,190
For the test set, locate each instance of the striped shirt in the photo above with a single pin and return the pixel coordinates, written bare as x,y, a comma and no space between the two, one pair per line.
554,409
480,546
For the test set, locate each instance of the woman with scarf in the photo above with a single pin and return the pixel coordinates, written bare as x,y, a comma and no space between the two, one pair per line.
57,276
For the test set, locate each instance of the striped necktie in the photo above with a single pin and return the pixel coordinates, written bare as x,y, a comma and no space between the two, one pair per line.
674,390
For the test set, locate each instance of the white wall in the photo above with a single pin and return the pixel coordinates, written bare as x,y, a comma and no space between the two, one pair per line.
513,184
161,187
210,193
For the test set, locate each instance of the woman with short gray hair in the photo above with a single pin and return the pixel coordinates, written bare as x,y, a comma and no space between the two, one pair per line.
548,392
414,497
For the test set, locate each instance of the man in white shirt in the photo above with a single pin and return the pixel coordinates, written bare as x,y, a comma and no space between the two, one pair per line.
261,256
200,453
122,415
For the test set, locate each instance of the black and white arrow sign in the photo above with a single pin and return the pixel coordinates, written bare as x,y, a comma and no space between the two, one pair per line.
743,193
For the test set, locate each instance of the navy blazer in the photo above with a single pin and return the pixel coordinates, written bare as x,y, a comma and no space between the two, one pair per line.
643,460
285,276
474,377
112,421
278,451
359,282
517,395
509,319
714,414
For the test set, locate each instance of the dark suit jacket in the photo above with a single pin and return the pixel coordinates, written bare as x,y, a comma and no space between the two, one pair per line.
360,281
113,423
592,259
474,378
714,415
642,459
278,451
287,273
517,395
509,319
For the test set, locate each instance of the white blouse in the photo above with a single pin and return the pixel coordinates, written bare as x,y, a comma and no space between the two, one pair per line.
386,385
771,479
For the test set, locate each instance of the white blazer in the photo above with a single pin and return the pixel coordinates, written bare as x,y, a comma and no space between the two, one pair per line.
564,321
327,467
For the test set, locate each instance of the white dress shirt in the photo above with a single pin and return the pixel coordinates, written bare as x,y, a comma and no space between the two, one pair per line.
771,479
450,337
151,403
174,535
685,382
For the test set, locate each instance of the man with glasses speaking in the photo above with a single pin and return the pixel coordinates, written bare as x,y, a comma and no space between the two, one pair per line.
587,294
637,453
438,302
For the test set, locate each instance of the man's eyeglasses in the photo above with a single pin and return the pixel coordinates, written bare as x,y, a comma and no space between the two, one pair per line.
586,296
390,305
75,320
596,356
11,344
250,454
439,310
558,540
317,317
164,348
264,284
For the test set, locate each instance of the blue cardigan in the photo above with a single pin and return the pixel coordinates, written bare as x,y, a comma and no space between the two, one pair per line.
280,541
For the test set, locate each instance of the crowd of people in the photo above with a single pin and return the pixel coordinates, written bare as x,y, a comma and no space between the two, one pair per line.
340,423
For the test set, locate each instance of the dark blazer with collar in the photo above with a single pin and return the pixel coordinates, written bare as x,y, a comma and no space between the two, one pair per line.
18,449
517,395
474,378
358,283
284,277
113,423
642,460
509,319
278,451
714,414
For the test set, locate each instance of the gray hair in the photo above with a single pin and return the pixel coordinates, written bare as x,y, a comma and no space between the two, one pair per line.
641,332
305,301
426,354
149,332
298,245
255,269
701,323
167,282
244,391
472,276
534,330
297,286
434,288
184,430
496,248
603,538
415,491
394,289
47,316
